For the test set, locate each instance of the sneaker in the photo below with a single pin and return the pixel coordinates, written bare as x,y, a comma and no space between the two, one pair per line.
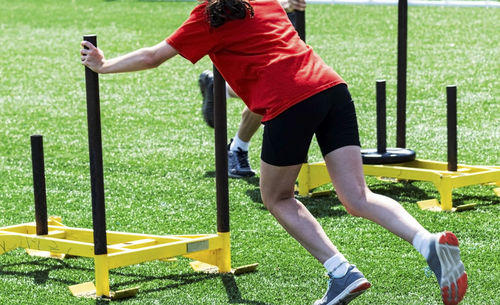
206,83
238,166
345,289
444,261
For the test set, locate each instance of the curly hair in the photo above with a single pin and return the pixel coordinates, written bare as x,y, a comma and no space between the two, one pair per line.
220,11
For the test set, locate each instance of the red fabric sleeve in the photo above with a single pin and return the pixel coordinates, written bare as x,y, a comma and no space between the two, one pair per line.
194,38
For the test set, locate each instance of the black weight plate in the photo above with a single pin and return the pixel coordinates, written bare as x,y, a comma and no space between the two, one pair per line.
392,155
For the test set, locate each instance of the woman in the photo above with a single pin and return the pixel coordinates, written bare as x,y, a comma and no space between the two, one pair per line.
260,55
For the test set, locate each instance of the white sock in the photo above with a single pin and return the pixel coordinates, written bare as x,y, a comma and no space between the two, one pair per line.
421,242
337,265
238,143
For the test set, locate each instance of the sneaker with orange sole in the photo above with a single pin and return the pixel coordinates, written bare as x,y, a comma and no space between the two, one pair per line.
444,261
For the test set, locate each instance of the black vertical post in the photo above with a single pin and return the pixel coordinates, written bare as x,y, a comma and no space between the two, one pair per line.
300,20
451,114
39,184
402,60
300,27
221,166
381,117
95,154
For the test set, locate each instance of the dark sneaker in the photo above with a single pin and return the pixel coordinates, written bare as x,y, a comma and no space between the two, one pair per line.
344,289
206,83
238,166
444,261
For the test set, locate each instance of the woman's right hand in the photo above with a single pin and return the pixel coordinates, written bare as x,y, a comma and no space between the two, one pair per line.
91,57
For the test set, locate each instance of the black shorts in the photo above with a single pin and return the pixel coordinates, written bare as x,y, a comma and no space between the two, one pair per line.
330,115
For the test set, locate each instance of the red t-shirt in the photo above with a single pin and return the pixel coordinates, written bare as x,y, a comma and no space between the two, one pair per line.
262,58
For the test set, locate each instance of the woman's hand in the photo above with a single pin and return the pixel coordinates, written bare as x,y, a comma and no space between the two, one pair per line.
92,57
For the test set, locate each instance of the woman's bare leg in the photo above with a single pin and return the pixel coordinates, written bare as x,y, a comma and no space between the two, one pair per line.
346,171
249,124
277,190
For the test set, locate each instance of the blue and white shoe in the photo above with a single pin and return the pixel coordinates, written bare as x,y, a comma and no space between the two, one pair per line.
343,290
238,166
444,261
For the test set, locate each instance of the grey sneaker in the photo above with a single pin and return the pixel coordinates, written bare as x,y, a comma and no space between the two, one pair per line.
238,166
206,83
343,290
444,261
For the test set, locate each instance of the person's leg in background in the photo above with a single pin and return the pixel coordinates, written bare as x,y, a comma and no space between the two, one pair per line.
238,164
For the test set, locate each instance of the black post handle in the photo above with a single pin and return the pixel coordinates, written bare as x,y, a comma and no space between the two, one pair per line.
39,184
451,114
221,166
402,66
381,117
95,154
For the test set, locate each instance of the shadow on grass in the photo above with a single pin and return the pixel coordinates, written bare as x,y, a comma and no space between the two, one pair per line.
233,292
250,180
403,191
39,276
47,265
408,192
324,206
399,191
479,200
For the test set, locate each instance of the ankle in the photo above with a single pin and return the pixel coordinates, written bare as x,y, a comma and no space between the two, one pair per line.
337,265
421,242
238,143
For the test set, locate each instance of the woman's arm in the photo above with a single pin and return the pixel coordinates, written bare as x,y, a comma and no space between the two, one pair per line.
142,59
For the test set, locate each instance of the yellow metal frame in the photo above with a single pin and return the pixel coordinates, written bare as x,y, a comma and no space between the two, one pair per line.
124,249
313,175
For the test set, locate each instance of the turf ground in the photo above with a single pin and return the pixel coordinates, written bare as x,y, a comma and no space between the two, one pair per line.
159,160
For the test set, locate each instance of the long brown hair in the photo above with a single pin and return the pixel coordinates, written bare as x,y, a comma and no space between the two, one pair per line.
220,11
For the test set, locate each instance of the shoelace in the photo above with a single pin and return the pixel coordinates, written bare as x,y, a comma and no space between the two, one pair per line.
242,158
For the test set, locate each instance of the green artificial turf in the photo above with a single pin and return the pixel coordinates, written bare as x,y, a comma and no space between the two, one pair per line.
159,154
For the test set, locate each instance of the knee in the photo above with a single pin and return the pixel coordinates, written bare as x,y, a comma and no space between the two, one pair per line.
272,199
268,201
356,203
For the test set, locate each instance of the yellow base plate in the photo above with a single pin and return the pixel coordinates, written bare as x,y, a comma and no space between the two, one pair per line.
433,205
430,205
207,268
46,254
88,290
497,191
